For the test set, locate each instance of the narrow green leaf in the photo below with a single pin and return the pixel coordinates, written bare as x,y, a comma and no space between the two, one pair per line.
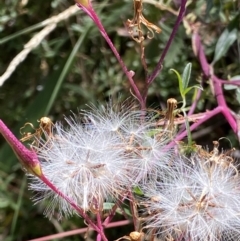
34,111
227,38
108,205
180,83
238,95
209,6
25,31
230,87
21,32
186,75
192,87
18,206
66,68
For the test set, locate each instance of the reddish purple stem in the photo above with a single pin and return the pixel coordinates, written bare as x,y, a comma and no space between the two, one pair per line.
158,67
29,159
217,89
92,14
208,115
141,97
216,82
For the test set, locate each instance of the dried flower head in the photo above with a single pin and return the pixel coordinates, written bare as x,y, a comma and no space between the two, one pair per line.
45,127
196,202
101,156
137,22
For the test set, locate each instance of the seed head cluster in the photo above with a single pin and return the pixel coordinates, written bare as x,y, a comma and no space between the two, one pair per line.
198,200
104,153
98,156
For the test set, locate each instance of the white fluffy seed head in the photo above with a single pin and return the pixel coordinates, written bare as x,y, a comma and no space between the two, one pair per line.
96,159
85,166
196,202
150,159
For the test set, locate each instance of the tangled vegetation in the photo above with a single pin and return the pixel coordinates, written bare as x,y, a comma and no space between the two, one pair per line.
170,73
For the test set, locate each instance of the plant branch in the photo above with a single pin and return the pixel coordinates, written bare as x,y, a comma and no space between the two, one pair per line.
79,231
87,8
29,160
216,82
180,136
158,67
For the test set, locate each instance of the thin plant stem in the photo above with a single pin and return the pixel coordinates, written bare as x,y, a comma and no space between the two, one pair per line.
76,207
216,82
194,104
180,136
93,15
158,67
79,231
30,162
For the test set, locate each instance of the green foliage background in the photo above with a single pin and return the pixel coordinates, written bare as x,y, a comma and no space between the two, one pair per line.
73,67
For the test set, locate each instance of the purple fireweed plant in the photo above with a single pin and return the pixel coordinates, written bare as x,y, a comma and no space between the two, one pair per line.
109,154
101,156
87,7
217,89
79,168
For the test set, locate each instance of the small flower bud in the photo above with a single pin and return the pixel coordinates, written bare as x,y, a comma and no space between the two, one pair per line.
84,3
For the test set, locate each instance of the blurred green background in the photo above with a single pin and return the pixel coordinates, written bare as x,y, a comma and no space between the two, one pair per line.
73,66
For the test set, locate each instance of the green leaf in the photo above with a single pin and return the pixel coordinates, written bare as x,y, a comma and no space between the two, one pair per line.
209,4
180,82
4,202
186,75
238,95
66,68
45,100
192,87
108,205
227,38
232,87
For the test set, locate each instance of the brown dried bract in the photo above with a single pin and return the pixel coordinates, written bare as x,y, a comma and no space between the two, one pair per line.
137,22
170,115
45,128
169,119
223,159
